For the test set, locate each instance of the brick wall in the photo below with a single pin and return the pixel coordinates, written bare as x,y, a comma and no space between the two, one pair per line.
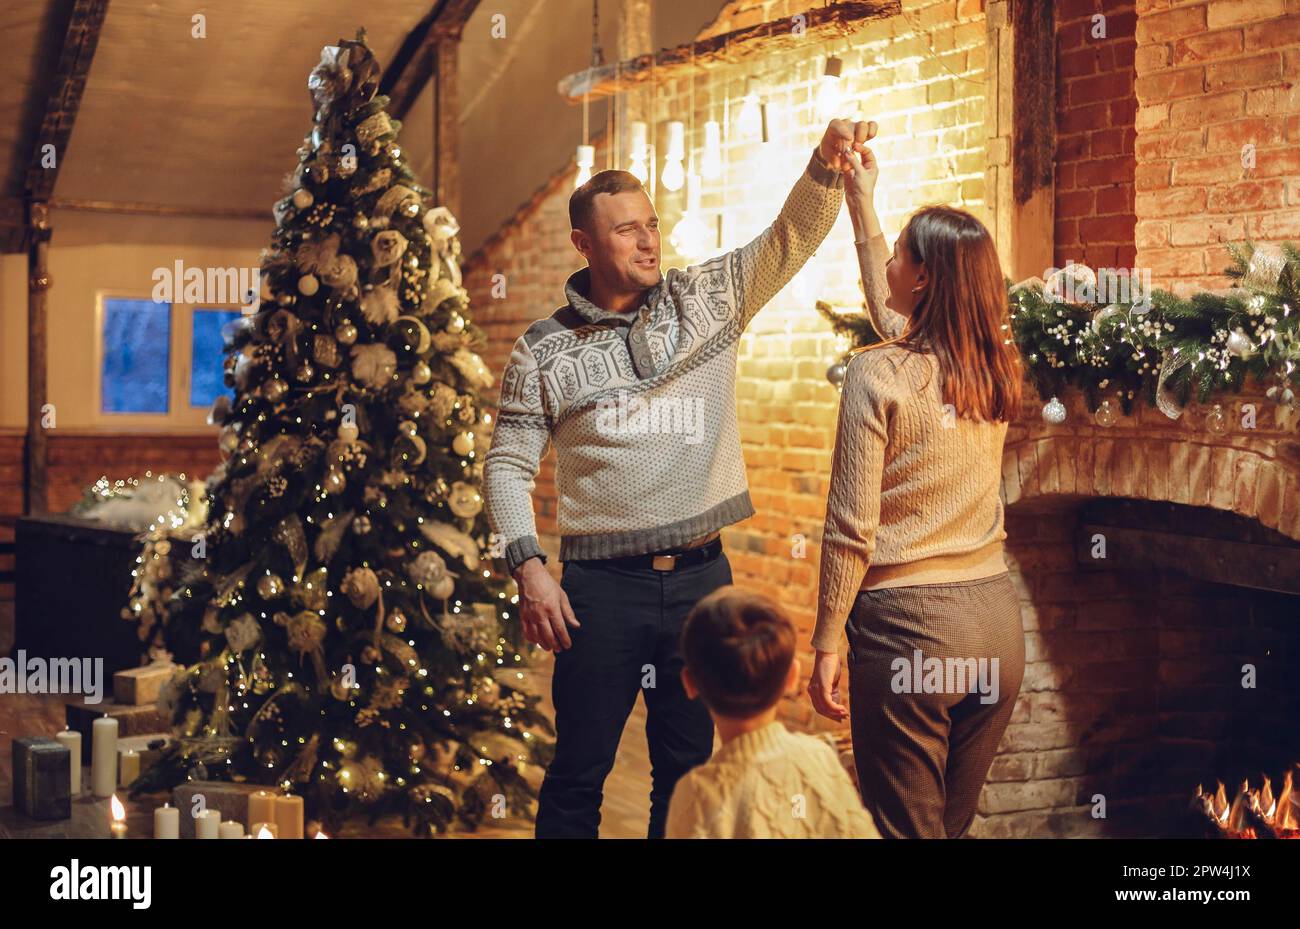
1095,105
921,77
1213,78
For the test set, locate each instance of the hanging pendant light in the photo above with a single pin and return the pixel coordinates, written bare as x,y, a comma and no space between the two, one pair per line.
637,159
586,158
751,119
690,236
674,173
711,158
831,90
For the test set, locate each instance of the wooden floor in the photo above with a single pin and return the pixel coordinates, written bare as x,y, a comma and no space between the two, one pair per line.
625,813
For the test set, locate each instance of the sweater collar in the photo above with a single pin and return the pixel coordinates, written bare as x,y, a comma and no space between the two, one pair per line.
578,286
754,743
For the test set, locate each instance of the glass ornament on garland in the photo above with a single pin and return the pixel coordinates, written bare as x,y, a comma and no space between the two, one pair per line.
306,643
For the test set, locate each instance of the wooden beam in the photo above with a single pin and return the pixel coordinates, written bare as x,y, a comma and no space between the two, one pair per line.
822,23
1021,124
78,51
413,65
446,124
48,151
131,208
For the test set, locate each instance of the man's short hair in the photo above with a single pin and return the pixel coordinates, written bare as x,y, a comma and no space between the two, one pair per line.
738,646
581,201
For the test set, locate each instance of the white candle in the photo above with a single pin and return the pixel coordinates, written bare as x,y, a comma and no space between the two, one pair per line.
230,830
167,822
128,766
73,742
103,757
207,825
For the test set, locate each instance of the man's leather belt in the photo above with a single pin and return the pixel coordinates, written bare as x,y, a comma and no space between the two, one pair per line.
665,561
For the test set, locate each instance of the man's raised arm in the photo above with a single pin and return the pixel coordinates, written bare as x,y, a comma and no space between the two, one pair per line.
765,265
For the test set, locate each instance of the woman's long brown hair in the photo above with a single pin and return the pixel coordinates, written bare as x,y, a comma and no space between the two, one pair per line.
961,316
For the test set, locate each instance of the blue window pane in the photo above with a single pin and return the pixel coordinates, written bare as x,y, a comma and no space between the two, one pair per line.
206,369
137,354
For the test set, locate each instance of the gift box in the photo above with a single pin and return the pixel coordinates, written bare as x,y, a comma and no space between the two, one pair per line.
42,778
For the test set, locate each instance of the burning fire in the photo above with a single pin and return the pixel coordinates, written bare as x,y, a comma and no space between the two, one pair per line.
264,833
118,810
1252,814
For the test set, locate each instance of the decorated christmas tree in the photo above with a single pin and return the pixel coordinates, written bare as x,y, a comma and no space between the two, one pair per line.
341,632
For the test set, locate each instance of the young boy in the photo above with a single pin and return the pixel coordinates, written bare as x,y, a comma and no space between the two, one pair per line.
764,781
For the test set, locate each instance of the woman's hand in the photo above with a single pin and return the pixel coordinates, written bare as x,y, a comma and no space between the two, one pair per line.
860,193
860,179
824,687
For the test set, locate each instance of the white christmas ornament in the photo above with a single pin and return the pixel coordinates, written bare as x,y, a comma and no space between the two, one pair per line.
1054,412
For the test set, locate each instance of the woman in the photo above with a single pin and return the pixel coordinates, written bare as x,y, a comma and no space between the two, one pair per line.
912,558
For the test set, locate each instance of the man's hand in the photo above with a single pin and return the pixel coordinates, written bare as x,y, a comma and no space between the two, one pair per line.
824,687
544,607
842,139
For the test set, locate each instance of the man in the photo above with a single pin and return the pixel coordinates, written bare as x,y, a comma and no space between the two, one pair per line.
634,380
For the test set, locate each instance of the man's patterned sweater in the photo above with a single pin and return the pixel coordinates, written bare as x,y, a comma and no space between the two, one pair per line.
641,406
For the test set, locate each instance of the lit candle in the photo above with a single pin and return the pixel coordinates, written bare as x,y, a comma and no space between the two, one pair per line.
103,757
207,825
72,740
230,830
117,828
288,816
128,766
261,808
263,831
167,822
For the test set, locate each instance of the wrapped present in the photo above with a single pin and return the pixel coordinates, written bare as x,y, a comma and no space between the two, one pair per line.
140,686
42,778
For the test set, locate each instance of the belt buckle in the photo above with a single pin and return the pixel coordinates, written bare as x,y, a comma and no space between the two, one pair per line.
664,562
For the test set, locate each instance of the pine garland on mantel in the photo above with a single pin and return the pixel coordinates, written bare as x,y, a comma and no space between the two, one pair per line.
1165,349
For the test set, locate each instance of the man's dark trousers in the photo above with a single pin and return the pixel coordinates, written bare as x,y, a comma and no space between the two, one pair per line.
627,644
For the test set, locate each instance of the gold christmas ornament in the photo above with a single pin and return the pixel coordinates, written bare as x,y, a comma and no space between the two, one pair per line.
334,481
464,500
274,389
361,586
269,586
302,198
421,373
346,333
415,334
308,285
463,444
348,431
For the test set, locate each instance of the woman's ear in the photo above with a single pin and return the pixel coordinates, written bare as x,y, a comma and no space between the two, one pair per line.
688,685
922,280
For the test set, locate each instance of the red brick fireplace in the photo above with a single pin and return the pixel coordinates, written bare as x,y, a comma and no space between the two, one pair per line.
1133,689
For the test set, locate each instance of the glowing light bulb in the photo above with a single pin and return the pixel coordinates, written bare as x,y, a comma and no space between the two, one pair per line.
711,158
637,160
586,158
830,91
750,119
690,237
674,175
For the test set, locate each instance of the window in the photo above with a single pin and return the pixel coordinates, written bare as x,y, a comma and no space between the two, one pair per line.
160,364
206,371
137,348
